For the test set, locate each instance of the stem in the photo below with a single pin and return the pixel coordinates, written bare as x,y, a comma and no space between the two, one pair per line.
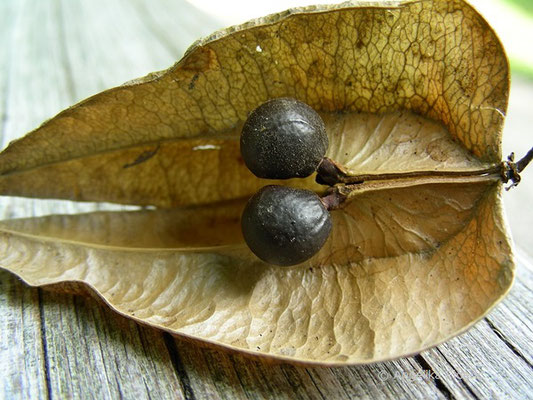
331,173
512,169
333,199
524,161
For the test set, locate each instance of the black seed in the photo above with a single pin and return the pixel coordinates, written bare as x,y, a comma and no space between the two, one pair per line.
268,229
283,138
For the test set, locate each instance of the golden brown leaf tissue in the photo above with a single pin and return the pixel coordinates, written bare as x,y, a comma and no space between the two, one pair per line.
403,86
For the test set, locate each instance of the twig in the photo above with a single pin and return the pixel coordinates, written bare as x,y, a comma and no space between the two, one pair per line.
524,161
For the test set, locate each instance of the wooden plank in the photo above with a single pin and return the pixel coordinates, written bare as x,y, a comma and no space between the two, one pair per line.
8,20
511,320
82,349
404,378
480,365
176,35
215,374
492,360
108,47
37,72
91,351
75,347
22,356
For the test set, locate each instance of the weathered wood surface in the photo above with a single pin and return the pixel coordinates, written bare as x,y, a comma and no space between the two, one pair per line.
54,53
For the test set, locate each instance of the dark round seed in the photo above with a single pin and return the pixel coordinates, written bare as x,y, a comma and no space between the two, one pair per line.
283,138
285,226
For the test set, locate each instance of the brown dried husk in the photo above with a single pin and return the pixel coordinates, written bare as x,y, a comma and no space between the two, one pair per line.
403,87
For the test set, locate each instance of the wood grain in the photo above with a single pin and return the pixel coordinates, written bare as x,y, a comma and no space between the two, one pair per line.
54,345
